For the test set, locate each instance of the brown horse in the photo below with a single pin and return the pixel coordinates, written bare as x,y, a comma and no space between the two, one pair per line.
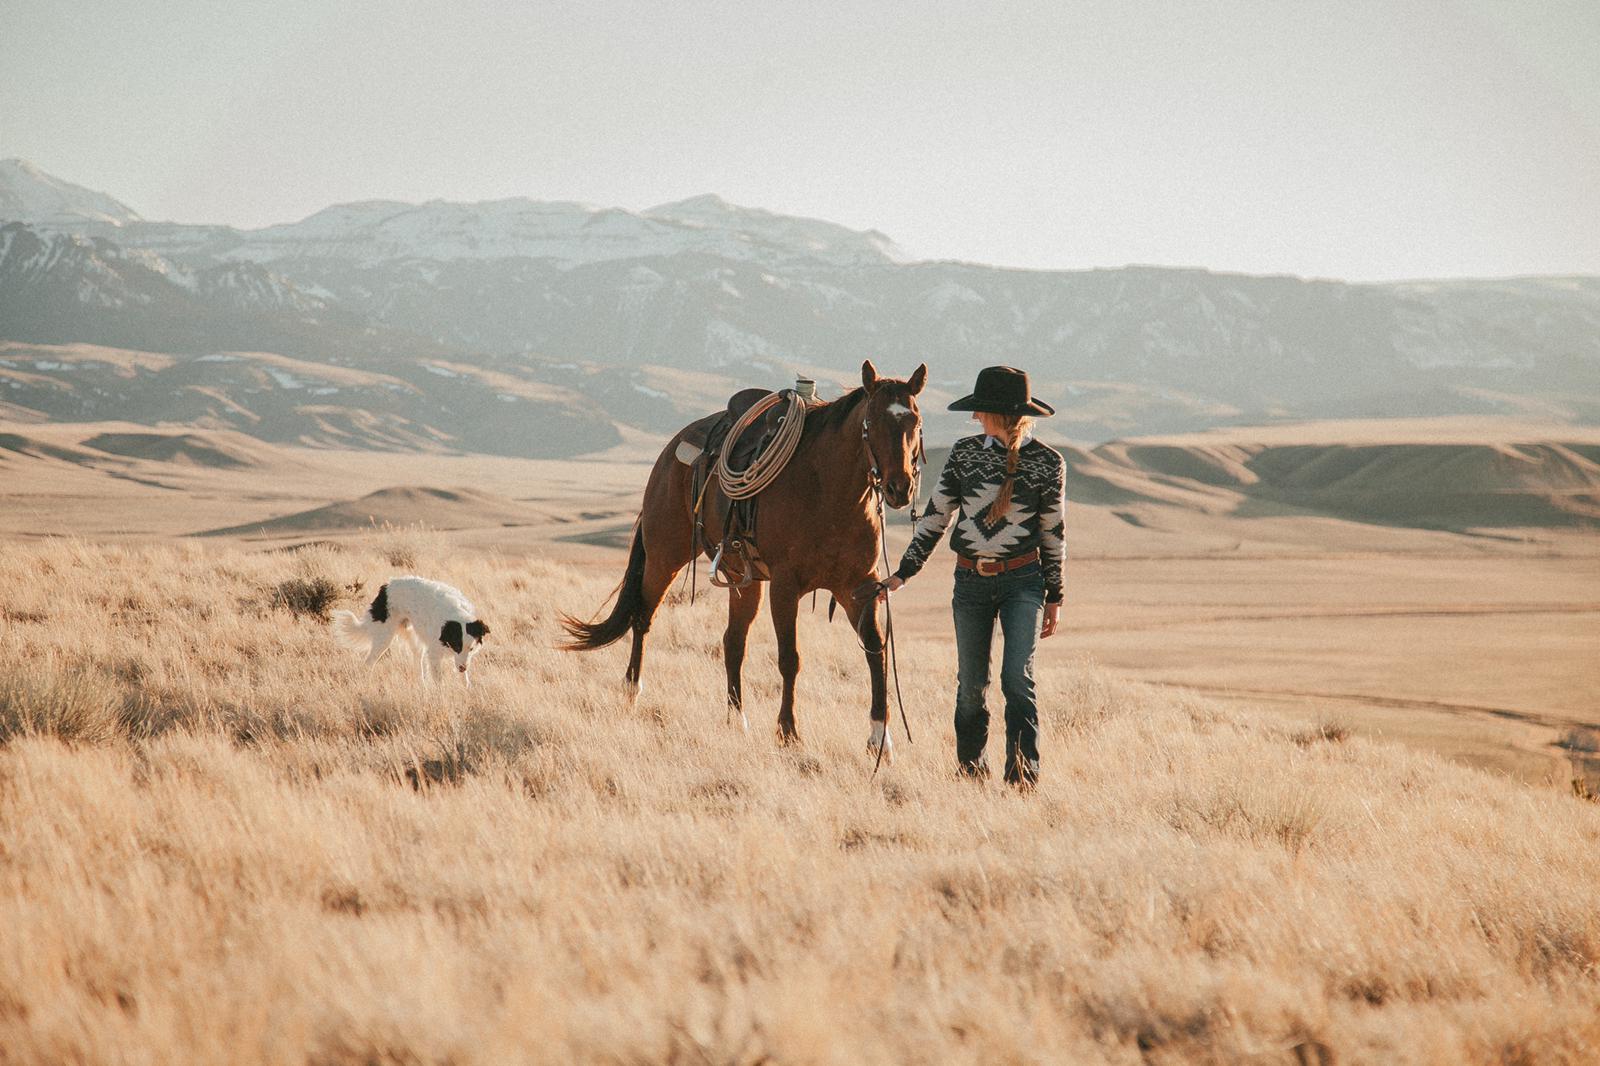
817,527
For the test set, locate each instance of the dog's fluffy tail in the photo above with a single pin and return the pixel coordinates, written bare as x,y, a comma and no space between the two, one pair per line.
351,631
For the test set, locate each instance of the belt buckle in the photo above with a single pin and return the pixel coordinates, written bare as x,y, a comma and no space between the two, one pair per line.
984,566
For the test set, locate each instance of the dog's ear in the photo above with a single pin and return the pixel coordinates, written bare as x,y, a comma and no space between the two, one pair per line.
379,611
450,636
477,629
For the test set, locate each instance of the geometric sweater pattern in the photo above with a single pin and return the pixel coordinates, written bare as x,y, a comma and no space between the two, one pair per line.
969,484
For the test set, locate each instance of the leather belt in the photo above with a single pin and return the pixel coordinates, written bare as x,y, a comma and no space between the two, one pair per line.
996,567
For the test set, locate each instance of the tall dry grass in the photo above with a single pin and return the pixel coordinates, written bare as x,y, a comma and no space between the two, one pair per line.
225,841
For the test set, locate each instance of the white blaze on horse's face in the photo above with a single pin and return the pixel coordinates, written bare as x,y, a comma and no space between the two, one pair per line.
896,432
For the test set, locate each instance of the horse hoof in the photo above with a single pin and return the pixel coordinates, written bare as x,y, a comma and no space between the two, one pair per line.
633,688
881,740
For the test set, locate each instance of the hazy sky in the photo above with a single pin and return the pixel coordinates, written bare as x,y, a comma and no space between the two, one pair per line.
1342,138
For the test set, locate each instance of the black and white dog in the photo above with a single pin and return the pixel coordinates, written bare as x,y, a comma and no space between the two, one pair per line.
434,617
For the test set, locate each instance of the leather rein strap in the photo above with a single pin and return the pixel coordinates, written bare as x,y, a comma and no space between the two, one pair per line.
875,483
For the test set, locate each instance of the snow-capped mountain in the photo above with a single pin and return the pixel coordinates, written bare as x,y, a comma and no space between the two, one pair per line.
58,287
566,233
823,240
29,194
704,285
382,231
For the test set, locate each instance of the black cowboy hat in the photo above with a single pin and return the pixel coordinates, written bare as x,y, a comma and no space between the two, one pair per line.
1003,390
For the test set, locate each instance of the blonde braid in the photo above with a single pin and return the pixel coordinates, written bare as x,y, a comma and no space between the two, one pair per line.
1016,426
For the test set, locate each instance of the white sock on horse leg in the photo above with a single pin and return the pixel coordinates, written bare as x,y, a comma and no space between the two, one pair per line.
881,738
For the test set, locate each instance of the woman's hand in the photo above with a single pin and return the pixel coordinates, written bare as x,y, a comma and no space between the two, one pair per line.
1052,617
888,587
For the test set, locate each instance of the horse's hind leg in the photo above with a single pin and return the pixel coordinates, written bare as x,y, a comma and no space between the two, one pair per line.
742,607
785,613
661,565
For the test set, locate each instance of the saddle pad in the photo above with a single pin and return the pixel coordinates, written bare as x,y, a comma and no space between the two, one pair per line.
688,454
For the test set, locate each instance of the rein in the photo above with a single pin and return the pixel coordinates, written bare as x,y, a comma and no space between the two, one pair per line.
875,485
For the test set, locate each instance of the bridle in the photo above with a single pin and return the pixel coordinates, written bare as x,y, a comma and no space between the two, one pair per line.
875,486
919,457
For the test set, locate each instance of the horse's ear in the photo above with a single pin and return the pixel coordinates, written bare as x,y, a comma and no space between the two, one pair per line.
919,378
869,375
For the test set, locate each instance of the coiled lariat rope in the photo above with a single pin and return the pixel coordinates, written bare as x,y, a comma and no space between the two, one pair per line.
764,468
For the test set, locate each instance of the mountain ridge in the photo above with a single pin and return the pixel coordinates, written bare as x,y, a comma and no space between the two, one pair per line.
28,192
702,285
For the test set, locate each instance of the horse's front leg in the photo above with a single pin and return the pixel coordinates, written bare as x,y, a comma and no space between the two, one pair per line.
785,614
863,616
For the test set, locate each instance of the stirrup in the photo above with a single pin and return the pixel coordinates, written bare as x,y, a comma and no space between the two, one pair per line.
718,576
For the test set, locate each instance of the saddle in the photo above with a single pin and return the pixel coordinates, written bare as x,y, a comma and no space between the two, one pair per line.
735,560
706,436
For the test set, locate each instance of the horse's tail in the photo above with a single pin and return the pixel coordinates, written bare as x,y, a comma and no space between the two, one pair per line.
586,636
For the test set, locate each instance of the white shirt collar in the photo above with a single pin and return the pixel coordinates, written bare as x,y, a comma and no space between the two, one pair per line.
990,441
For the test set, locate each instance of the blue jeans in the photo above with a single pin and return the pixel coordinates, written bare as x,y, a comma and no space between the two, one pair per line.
1016,599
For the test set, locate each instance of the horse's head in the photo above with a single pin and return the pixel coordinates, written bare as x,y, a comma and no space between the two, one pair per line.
894,429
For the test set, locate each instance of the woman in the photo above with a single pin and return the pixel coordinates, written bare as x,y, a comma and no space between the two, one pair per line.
1004,490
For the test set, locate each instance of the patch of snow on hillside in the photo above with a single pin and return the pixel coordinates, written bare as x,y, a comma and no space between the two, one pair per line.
943,295
284,379
727,343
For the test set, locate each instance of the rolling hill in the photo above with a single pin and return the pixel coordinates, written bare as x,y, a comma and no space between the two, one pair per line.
404,505
1428,474
426,404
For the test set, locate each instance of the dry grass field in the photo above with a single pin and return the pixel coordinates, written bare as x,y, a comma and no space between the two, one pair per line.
226,841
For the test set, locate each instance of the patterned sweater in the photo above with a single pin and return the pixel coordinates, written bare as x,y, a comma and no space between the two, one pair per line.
971,480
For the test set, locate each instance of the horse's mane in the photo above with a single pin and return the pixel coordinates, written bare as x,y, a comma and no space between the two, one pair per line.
831,414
